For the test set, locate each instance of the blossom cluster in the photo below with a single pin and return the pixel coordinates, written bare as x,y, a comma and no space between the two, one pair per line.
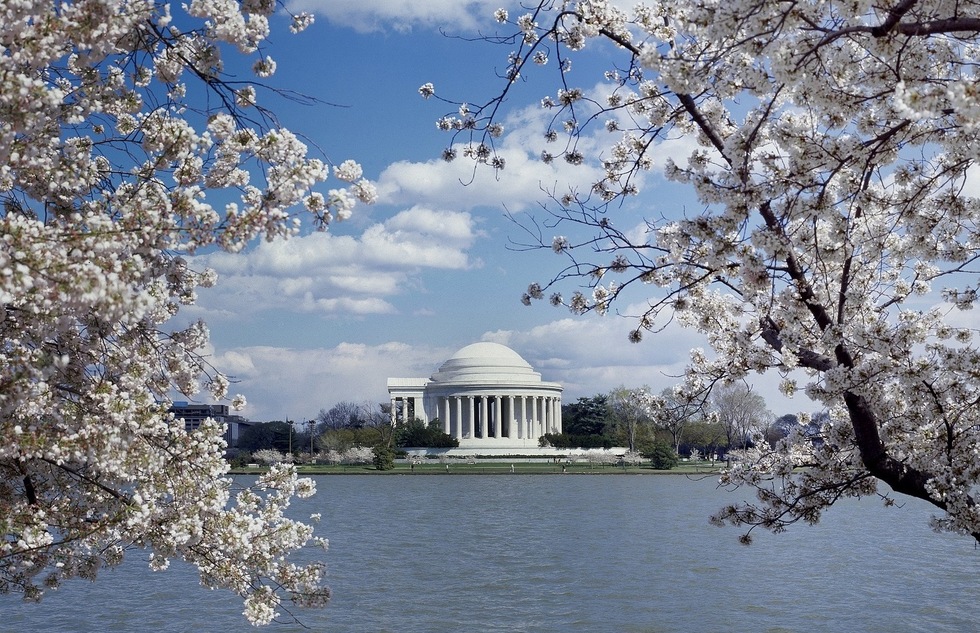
832,149
108,169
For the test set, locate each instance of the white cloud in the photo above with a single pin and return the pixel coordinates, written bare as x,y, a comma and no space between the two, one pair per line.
526,179
401,15
971,185
519,186
587,355
297,383
591,354
327,273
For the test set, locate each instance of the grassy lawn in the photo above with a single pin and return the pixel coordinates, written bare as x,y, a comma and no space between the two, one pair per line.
461,467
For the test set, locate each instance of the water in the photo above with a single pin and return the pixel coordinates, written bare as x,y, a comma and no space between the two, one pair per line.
576,553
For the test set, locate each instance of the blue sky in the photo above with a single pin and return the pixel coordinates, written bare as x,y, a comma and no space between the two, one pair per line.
395,290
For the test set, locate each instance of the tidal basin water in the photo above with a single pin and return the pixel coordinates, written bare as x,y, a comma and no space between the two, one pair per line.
564,553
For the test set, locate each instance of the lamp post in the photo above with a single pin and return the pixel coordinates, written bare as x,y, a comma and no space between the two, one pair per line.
312,424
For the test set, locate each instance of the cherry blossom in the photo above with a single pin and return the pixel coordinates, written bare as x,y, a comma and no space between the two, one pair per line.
108,173
834,154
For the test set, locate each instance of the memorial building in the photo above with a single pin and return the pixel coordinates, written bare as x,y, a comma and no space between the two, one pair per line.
486,396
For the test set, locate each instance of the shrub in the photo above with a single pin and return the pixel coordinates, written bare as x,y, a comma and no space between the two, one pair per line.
384,458
662,456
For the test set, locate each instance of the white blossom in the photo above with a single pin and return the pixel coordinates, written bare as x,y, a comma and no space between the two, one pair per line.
94,266
833,146
348,171
265,67
301,22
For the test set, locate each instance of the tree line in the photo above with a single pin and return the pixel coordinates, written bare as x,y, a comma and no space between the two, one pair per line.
664,424
339,434
734,418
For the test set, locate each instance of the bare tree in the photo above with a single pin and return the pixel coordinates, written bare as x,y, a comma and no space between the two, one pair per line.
630,411
343,415
741,412
379,418
675,414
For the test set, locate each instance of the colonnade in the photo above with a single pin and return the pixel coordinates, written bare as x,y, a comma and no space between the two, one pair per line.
405,408
478,416
485,396
517,416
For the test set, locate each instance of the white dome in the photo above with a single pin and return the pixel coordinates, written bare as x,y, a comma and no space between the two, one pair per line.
486,362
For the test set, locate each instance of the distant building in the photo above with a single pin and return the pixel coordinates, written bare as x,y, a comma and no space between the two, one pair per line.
194,414
486,396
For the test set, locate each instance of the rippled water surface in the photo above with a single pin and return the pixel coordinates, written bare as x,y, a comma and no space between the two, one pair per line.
576,553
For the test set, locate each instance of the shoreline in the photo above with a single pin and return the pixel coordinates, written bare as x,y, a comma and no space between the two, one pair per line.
494,468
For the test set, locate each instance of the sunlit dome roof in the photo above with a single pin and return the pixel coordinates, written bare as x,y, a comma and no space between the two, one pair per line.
486,362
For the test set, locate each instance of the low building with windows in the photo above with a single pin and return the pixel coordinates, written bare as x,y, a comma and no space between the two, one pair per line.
486,396
193,414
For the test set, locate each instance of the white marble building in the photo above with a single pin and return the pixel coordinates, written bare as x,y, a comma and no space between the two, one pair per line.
486,396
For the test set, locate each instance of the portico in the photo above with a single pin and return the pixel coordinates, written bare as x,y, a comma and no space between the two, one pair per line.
486,395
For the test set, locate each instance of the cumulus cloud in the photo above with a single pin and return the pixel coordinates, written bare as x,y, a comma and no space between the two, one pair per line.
328,273
385,15
526,179
586,355
591,354
971,185
296,383
519,186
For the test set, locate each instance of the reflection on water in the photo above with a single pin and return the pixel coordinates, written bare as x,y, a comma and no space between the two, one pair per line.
576,553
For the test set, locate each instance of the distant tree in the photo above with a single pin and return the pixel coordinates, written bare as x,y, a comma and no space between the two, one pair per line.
675,414
632,458
384,457
662,456
780,428
358,455
585,416
418,434
343,415
270,457
373,429
567,440
630,412
266,435
378,419
342,439
603,458
707,436
741,412
327,457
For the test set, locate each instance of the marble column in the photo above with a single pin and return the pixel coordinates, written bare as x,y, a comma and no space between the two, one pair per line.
535,419
472,407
